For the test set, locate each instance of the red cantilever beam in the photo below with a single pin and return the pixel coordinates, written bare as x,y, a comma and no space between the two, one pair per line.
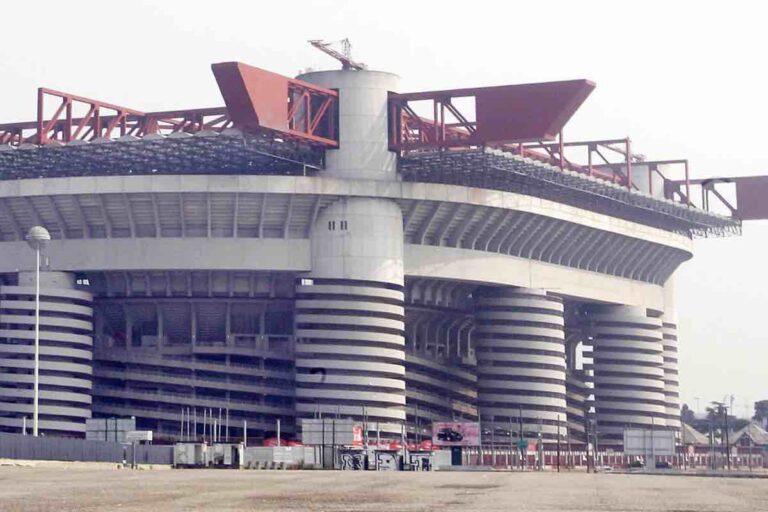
503,114
260,99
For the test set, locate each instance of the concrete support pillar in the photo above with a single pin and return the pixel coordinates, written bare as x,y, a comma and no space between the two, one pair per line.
98,327
520,352
128,330
350,317
65,362
228,324
160,326
629,372
193,323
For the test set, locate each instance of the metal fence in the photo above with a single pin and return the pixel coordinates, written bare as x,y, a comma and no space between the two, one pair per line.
15,446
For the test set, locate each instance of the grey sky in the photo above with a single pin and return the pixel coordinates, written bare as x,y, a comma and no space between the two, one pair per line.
683,79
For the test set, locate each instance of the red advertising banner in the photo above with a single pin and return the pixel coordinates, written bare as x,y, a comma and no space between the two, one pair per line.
357,435
452,433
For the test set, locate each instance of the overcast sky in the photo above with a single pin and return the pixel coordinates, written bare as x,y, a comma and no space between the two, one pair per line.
683,79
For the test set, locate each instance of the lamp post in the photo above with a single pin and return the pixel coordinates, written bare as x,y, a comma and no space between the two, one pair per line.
37,238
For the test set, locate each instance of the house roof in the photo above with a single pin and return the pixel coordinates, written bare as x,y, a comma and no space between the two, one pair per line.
692,436
753,431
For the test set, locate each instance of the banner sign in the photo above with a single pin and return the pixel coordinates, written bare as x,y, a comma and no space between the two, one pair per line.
452,433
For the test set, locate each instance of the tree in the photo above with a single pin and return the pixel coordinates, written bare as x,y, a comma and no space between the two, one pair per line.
687,415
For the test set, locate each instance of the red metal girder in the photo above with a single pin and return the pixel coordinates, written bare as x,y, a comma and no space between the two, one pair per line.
63,127
260,99
751,194
504,114
58,129
189,121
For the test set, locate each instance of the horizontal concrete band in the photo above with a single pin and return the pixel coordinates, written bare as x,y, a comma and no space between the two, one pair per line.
173,401
59,426
152,207
272,255
119,186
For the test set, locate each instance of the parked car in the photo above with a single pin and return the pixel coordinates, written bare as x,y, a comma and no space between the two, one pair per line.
449,435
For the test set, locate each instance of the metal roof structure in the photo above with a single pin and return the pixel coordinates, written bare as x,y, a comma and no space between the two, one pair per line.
501,170
205,152
273,124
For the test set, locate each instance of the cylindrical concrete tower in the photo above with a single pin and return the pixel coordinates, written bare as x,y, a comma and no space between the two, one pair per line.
629,373
363,151
350,317
520,351
65,354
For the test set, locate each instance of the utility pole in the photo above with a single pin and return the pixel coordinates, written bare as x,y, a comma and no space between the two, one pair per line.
586,430
712,442
727,439
493,442
511,444
520,436
558,443
418,425
722,409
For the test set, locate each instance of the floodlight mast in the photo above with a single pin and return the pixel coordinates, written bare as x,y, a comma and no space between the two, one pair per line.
37,238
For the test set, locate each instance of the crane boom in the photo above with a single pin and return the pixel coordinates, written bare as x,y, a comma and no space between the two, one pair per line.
345,56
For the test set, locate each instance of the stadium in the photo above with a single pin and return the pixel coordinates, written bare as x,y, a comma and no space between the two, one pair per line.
328,245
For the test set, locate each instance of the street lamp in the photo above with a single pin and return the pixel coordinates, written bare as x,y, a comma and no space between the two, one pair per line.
37,238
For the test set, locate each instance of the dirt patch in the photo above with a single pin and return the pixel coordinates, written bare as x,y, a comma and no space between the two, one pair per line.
461,487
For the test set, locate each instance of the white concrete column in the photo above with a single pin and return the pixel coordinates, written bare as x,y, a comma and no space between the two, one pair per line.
350,316
520,352
160,326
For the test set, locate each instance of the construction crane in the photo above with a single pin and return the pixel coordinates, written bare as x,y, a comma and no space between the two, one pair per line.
344,56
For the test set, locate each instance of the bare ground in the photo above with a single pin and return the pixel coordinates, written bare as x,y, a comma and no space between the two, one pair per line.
87,489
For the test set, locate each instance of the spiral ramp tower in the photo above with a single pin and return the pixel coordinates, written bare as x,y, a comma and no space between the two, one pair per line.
520,350
320,246
65,367
629,371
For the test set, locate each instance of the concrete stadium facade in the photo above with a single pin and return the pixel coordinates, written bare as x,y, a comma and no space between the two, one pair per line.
350,292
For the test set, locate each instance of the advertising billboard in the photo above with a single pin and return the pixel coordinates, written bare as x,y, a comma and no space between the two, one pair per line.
454,433
330,431
647,442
